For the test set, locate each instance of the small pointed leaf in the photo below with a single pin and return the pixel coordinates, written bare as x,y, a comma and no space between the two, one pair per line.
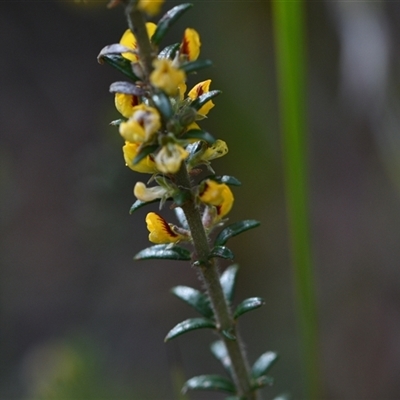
194,298
112,49
222,252
228,281
262,381
200,101
139,204
209,382
248,305
117,122
144,152
219,351
121,64
199,134
189,325
167,20
169,51
163,105
228,180
229,334
235,229
194,66
126,88
165,252
263,364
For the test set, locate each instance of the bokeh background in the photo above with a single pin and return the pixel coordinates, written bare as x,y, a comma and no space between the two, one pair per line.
80,320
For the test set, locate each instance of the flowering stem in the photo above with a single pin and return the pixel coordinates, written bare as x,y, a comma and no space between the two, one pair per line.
210,276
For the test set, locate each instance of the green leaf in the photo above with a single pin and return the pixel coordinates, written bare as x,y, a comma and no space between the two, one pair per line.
219,351
162,103
200,101
189,325
194,298
126,88
139,204
144,152
263,364
228,281
262,381
222,252
235,229
167,20
248,305
181,197
209,382
229,333
199,134
228,180
169,51
194,66
117,122
121,64
164,252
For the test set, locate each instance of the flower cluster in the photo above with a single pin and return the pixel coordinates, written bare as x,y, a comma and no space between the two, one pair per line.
160,124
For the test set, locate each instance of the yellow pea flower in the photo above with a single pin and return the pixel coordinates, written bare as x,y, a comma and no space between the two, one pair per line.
170,157
190,46
166,77
161,232
150,7
146,165
143,193
197,91
218,195
218,149
125,103
129,40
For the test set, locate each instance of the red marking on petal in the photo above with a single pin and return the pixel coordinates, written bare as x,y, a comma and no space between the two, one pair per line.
185,47
135,101
199,90
167,228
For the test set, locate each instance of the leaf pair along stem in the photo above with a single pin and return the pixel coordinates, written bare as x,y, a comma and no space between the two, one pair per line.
206,266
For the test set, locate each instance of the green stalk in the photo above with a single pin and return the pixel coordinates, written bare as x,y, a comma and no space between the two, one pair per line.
288,20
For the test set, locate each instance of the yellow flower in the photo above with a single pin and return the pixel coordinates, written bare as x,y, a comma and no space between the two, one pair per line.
144,122
161,232
197,91
218,149
170,157
146,165
190,46
150,7
144,193
218,195
125,103
166,77
129,40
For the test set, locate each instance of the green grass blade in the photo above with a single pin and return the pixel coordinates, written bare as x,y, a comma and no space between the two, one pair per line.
288,20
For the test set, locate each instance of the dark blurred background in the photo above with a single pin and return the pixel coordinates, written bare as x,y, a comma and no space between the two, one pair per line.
80,320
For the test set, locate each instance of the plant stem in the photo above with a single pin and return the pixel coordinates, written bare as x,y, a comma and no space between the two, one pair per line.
206,267
290,48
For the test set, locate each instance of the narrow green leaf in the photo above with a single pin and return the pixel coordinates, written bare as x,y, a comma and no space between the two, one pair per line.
194,298
169,51
219,351
144,152
121,64
162,103
194,66
262,381
248,305
189,325
228,180
199,134
228,333
139,204
209,382
117,122
263,364
167,20
164,251
126,88
200,101
222,252
235,229
228,281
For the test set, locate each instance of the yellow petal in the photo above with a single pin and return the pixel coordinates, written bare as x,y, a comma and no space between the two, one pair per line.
218,149
197,91
146,165
218,195
166,77
170,157
150,7
190,46
125,103
160,230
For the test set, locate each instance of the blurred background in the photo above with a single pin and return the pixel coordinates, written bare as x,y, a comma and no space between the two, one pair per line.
80,320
